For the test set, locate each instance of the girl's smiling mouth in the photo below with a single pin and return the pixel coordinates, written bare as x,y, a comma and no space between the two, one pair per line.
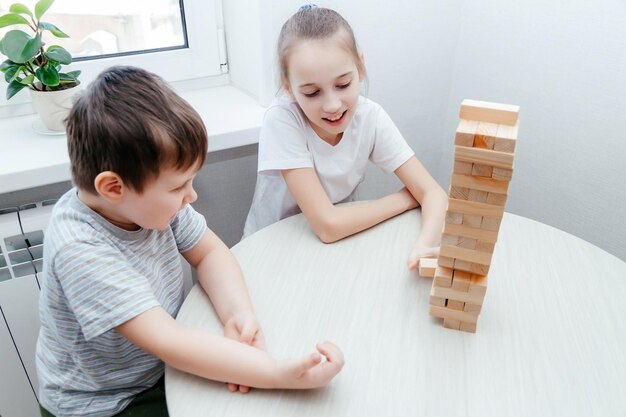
337,121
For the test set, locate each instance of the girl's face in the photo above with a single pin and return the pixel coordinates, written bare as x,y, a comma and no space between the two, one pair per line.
324,80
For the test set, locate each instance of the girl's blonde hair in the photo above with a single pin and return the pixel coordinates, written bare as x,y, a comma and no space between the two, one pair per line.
314,23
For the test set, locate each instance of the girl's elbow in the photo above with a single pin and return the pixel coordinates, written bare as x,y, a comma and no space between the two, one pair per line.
326,231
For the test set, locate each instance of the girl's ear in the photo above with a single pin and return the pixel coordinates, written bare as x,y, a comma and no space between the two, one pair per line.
287,88
109,186
362,66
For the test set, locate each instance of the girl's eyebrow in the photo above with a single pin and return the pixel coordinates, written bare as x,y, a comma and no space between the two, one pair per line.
340,76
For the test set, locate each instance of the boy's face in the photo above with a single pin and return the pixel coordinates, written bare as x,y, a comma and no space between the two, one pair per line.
161,199
324,80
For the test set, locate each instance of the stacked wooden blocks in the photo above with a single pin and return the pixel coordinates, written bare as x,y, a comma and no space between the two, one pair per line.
483,166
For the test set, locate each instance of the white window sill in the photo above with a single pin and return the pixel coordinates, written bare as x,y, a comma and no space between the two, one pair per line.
29,159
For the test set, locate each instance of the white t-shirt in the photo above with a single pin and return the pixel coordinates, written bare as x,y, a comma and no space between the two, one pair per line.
287,141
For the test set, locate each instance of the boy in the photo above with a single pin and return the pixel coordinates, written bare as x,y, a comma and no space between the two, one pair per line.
112,279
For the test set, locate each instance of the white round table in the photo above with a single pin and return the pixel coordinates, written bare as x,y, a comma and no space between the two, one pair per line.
551,338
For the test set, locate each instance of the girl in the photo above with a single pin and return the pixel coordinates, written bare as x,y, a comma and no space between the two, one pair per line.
317,138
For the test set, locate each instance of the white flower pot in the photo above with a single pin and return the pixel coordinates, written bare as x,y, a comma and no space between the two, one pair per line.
54,106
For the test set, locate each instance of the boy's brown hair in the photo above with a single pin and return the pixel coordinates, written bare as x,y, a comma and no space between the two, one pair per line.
131,122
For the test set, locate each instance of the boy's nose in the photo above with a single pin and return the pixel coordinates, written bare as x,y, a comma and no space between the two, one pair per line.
191,196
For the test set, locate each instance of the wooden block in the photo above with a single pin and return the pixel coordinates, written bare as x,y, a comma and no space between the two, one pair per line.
463,254
481,170
484,111
452,324
477,195
462,168
448,313
506,138
502,174
478,269
491,223
472,221
460,193
485,246
462,265
465,133
468,327
427,267
474,209
472,232
483,156
472,308
464,242
451,240
454,218
457,299
461,280
496,199
436,301
443,276
445,262
490,185
485,136
478,285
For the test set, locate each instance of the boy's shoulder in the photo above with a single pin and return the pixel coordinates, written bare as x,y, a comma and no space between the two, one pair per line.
71,221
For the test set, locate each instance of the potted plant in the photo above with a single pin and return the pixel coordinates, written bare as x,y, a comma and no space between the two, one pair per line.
34,65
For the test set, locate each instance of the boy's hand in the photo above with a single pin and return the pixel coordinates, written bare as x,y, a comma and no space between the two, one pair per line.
418,252
244,327
311,371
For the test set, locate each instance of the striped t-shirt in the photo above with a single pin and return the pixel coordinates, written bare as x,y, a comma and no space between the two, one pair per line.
97,276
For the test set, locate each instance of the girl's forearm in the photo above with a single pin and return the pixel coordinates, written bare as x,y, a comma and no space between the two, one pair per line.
433,205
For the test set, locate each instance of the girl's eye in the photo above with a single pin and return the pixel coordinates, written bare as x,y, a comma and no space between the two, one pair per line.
342,86
313,94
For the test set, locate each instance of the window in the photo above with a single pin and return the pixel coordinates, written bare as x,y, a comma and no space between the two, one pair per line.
177,39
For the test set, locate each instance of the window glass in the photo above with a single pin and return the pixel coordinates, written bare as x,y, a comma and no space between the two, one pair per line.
112,27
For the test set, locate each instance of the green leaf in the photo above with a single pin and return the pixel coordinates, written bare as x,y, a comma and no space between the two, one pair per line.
48,75
59,55
53,29
74,74
19,47
20,8
6,64
13,88
12,19
12,72
41,7
28,80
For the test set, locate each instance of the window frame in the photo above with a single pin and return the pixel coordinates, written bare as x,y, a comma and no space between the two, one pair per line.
200,60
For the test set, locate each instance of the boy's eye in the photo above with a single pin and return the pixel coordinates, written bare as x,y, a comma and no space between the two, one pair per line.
313,94
342,86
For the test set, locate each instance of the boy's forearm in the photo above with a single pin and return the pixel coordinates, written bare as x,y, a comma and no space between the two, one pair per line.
218,358
221,277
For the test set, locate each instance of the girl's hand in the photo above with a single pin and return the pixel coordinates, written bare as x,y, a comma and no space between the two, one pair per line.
244,327
420,251
311,371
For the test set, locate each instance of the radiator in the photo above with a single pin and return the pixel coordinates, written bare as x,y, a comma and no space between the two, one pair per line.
21,251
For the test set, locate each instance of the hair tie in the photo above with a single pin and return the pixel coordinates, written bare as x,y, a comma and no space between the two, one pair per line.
307,6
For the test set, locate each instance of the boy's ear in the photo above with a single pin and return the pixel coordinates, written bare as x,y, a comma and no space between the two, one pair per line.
109,186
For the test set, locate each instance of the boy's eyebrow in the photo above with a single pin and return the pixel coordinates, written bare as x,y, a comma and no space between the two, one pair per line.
340,76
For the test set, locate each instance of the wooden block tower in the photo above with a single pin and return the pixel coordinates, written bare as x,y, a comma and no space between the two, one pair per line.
483,166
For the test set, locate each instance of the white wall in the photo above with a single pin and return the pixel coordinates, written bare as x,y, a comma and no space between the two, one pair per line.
563,62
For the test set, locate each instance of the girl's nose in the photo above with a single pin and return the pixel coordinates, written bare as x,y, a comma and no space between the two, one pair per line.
332,104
